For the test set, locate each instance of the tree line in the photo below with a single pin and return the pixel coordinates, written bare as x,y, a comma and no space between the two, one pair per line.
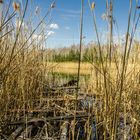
71,54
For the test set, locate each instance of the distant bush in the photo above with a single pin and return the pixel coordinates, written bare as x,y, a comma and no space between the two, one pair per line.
89,54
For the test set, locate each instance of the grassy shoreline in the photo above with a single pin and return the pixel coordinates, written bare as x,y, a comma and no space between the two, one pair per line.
86,68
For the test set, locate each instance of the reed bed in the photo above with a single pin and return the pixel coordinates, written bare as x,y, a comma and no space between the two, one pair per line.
34,105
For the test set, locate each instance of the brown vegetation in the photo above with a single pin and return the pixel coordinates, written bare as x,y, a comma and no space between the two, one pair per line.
34,105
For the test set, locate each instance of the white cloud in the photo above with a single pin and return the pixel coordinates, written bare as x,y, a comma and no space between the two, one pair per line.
50,33
54,26
41,37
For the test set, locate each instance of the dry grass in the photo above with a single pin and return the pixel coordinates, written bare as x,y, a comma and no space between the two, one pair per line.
113,86
70,67
86,68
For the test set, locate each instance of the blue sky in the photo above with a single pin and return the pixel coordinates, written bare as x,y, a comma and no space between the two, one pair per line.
66,15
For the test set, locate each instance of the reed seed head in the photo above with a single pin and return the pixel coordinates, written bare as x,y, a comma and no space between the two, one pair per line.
138,7
53,5
1,1
37,10
16,6
92,5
